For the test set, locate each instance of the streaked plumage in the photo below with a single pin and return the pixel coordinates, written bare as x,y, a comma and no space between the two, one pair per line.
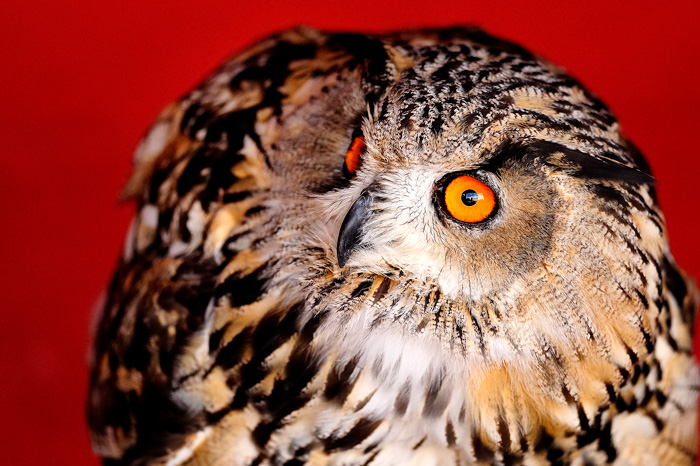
556,331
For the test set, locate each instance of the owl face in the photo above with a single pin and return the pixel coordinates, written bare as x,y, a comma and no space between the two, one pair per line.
502,214
452,221
531,177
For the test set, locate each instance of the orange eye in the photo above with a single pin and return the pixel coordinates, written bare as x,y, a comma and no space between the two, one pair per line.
353,157
469,200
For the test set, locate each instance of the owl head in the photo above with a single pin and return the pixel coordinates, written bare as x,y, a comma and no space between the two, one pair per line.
485,208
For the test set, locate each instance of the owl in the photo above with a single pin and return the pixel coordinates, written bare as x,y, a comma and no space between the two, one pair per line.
426,247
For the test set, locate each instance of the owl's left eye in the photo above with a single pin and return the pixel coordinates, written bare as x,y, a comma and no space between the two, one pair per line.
353,157
468,199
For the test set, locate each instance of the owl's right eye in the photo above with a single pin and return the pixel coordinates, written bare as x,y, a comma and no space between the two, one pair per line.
468,199
353,157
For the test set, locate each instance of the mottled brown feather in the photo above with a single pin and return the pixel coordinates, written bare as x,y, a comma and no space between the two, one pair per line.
557,331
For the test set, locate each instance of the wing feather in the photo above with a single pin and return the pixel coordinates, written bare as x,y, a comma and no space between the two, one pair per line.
194,174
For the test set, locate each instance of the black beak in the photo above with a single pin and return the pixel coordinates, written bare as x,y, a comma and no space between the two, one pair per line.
351,229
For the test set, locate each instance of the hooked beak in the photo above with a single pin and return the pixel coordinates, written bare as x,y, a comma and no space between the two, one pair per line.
351,229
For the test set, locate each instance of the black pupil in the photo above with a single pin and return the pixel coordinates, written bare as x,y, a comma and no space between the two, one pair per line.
470,197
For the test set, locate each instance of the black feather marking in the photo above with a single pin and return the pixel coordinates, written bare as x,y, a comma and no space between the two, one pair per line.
524,443
242,290
610,195
236,197
192,174
157,179
661,398
582,418
544,442
555,456
588,166
216,336
402,400
450,434
605,442
338,385
611,393
481,451
676,285
435,399
571,161
371,458
503,432
230,354
419,444
381,290
286,396
354,437
361,288
590,434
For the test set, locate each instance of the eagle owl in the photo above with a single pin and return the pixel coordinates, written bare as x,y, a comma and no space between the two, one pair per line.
427,247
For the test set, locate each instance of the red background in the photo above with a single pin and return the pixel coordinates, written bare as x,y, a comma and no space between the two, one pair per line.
80,82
